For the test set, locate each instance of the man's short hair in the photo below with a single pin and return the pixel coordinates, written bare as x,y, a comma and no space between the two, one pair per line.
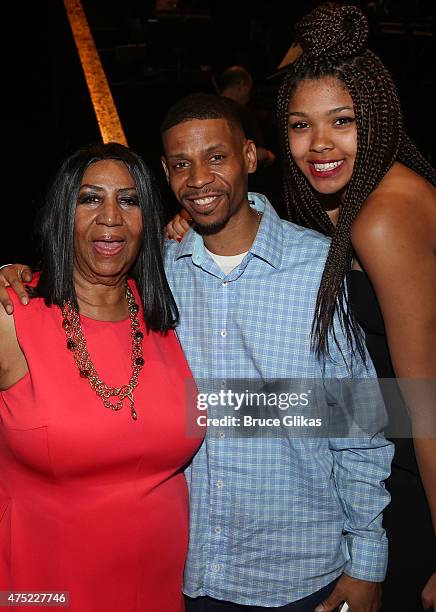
202,106
233,76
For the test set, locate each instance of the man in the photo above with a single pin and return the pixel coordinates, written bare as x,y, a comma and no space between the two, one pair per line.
236,84
282,522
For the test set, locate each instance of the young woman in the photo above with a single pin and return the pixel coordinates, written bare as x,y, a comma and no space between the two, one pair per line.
352,173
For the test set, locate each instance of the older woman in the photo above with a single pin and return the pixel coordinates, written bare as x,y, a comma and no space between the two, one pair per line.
93,383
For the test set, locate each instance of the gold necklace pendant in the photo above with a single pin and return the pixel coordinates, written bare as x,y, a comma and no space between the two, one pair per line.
132,407
76,343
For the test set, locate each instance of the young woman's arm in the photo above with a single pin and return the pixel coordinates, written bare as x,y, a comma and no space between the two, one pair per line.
394,237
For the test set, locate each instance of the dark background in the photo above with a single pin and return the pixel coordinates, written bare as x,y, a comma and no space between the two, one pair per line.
151,61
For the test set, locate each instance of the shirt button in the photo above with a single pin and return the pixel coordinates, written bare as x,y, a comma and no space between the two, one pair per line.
218,530
224,333
223,384
215,568
222,435
225,283
219,484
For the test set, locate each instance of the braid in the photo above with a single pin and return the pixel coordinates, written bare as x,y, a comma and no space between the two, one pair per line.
410,156
333,39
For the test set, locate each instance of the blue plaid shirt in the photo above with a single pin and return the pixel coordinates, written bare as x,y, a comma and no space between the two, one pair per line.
272,520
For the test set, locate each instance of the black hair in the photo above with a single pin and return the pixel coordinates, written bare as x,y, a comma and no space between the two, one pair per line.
333,39
235,75
201,106
56,230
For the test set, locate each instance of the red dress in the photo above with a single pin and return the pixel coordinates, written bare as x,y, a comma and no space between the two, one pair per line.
92,502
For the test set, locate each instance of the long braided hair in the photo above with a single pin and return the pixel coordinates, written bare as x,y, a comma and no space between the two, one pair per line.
333,40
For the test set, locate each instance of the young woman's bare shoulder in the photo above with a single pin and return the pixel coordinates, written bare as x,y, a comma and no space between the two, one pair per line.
402,204
403,181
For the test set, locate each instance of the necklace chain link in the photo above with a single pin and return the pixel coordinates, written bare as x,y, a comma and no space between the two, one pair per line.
76,343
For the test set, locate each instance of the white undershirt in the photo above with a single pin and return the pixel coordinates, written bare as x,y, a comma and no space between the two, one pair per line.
227,263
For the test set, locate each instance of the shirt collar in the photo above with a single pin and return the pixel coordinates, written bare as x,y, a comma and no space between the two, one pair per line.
268,244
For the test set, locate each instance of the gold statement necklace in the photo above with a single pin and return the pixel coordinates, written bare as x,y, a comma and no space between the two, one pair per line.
76,343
